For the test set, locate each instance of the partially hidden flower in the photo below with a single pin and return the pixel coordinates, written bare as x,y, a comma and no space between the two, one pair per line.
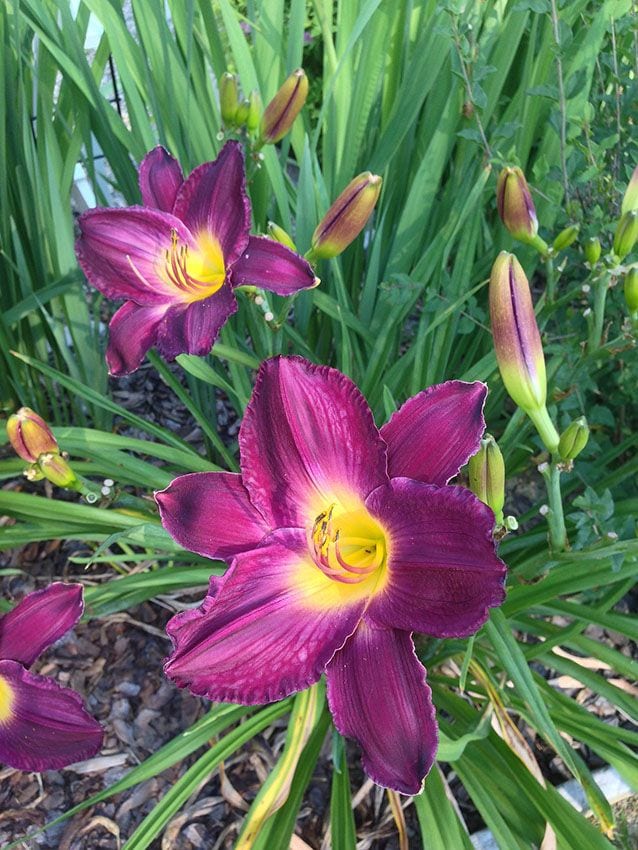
29,435
176,260
280,113
516,207
42,725
486,471
346,218
342,540
626,234
630,198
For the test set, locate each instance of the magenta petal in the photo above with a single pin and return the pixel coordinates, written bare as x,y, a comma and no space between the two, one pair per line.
263,633
132,331
213,200
160,177
378,695
40,619
210,513
47,727
308,437
435,432
193,328
270,265
121,252
443,571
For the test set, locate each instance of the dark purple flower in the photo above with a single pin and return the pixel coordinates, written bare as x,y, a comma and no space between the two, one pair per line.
342,540
42,726
176,260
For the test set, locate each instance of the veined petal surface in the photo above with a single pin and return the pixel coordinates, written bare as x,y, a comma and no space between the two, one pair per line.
378,695
307,439
122,252
213,200
443,570
210,513
160,177
270,265
132,331
193,328
435,432
46,727
265,632
40,619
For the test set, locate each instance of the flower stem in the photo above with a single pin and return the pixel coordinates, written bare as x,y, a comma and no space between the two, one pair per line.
595,336
545,427
555,517
550,276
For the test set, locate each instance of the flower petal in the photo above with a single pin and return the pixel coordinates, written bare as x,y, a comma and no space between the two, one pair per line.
160,178
443,571
45,727
267,629
213,200
435,432
121,252
38,620
132,331
270,265
308,437
193,328
378,695
210,513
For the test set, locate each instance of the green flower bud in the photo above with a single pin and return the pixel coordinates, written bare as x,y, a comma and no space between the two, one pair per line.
279,235
574,439
630,200
229,99
254,112
487,476
241,116
346,218
566,237
515,204
57,470
626,234
592,250
282,110
631,290
30,435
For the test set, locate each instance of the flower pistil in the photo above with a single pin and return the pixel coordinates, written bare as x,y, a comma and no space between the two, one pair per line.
196,273
348,546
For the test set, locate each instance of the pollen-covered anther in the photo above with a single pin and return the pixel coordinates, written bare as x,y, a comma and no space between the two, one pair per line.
347,546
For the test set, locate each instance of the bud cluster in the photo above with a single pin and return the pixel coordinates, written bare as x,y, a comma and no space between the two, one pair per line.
33,440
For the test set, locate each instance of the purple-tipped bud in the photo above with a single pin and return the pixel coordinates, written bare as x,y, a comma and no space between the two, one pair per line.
630,288
229,99
347,217
57,470
626,234
515,204
278,234
574,439
566,237
254,111
486,470
630,199
592,249
30,435
282,110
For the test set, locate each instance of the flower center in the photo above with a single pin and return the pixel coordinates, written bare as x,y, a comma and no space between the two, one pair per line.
197,273
6,700
348,546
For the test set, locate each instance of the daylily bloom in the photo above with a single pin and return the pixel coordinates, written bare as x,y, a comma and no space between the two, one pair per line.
177,259
342,539
42,725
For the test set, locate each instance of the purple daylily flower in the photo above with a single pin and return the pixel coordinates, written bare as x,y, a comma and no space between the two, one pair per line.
342,539
176,260
42,725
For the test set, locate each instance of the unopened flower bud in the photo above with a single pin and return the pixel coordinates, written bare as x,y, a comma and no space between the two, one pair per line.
487,476
517,343
630,199
626,234
229,99
592,250
515,204
57,470
30,435
241,116
282,110
631,290
566,237
254,111
574,439
347,217
279,235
